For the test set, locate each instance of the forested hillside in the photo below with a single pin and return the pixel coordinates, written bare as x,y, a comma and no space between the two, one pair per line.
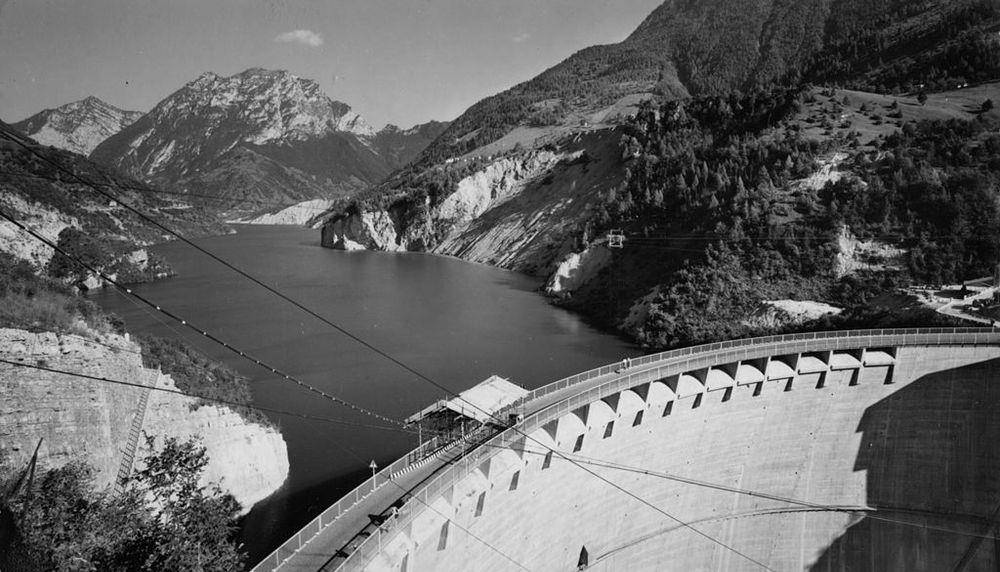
831,151
710,47
46,188
896,46
718,220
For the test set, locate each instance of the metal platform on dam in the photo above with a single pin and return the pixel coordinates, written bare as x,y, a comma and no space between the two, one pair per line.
838,420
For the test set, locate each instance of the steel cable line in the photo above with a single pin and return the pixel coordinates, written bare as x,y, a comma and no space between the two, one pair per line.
232,267
634,496
447,518
371,347
269,410
367,345
759,238
157,191
211,399
757,494
642,500
282,375
663,247
405,491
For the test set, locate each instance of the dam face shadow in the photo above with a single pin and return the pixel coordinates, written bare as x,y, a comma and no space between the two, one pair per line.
932,455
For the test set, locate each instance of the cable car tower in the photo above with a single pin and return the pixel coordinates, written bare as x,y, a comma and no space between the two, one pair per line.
616,239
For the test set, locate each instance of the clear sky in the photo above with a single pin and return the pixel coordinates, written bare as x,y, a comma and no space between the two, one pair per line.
398,61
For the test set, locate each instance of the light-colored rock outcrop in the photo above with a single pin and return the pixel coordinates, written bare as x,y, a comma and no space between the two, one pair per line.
370,230
295,215
89,420
829,172
441,228
79,126
492,186
779,313
522,211
577,269
46,222
246,459
866,255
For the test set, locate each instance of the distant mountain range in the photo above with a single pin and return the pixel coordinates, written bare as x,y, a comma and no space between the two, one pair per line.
257,136
79,126
237,144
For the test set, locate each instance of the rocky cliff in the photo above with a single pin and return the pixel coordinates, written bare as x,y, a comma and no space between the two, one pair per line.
522,211
93,421
79,126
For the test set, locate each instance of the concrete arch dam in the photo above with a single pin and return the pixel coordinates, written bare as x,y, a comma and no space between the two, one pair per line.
861,450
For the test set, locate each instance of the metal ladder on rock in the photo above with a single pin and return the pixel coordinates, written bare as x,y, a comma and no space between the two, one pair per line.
128,454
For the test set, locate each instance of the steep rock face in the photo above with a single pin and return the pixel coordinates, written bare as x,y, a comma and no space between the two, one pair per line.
248,460
781,313
91,421
577,269
370,230
442,228
46,222
79,126
492,186
520,212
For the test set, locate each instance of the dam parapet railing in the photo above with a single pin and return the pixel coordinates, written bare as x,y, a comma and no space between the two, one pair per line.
412,459
674,361
744,343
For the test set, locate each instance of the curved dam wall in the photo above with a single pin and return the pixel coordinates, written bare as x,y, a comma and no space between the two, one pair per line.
873,458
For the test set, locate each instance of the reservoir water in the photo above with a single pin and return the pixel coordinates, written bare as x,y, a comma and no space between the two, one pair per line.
455,322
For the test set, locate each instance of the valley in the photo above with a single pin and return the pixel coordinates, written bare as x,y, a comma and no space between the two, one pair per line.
722,170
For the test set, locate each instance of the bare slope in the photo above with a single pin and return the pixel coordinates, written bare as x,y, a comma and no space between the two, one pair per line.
79,126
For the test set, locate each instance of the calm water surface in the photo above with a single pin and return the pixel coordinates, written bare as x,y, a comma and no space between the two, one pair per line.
453,321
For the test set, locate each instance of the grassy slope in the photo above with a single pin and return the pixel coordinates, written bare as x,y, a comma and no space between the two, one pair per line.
880,118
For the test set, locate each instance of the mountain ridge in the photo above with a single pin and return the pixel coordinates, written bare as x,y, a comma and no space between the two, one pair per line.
77,126
225,136
710,47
